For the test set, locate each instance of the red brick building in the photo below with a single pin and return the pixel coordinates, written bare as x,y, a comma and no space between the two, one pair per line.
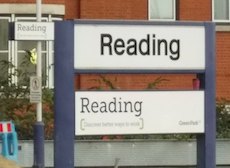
159,10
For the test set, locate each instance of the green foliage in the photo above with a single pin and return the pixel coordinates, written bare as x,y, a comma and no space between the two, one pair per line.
157,81
14,100
223,119
106,83
103,81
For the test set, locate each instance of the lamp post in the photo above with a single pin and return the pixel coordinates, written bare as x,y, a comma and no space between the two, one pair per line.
39,125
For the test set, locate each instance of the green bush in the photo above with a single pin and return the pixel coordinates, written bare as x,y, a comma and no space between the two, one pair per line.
223,119
14,101
23,114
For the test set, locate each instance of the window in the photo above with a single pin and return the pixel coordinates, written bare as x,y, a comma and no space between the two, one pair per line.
4,46
220,10
15,51
162,10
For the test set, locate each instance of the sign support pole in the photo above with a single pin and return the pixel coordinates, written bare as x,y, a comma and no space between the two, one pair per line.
39,125
64,98
206,143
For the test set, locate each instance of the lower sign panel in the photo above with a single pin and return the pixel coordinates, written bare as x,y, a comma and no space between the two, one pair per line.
139,112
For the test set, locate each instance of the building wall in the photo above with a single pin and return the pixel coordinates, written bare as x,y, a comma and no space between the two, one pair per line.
222,64
110,9
187,10
72,8
195,10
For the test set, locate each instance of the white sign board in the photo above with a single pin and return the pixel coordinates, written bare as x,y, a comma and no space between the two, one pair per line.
34,31
138,112
135,47
35,89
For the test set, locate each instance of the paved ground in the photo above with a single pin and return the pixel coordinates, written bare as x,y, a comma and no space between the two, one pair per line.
4,163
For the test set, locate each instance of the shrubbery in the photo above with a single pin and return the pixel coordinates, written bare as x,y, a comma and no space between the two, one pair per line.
14,101
223,119
23,114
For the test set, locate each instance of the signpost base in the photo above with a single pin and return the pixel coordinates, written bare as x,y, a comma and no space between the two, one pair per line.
38,145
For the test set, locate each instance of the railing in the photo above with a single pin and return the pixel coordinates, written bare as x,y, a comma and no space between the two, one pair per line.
128,153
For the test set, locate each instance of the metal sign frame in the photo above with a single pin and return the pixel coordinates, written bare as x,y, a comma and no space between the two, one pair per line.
65,94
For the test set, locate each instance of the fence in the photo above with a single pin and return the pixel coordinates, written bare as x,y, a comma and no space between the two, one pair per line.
128,153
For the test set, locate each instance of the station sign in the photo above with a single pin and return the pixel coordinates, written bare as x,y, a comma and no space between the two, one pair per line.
139,47
34,31
91,46
138,112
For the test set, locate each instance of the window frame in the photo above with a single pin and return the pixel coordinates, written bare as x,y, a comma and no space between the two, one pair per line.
9,44
174,13
8,51
218,20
